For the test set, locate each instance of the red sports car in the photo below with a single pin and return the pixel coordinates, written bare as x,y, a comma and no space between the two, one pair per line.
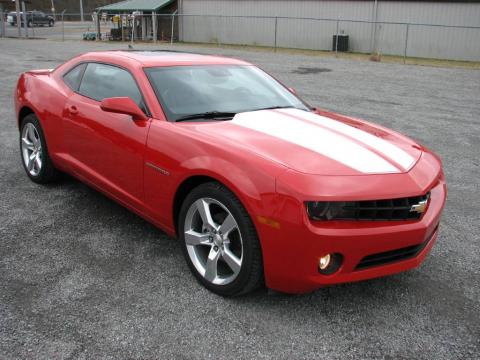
258,186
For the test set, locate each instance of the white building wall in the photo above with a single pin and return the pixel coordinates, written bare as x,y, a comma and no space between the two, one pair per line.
430,12
330,9
248,27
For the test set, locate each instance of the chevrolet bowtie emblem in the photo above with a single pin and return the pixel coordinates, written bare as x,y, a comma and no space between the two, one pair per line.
420,207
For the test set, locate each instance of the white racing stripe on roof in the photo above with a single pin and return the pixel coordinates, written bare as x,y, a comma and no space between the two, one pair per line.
316,138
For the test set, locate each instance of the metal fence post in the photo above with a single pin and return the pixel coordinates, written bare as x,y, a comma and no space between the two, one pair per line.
17,17
53,11
173,23
406,44
276,29
336,39
33,25
154,27
218,27
133,28
373,33
122,19
81,11
63,26
97,27
2,22
24,16
143,24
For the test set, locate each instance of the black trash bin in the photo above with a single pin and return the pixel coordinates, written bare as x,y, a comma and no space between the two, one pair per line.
342,42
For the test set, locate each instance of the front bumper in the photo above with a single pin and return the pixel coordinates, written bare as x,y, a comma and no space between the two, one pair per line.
291,253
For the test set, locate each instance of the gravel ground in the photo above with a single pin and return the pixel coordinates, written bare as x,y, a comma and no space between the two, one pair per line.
81,277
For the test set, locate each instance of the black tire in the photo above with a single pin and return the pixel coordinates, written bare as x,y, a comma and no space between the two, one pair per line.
250,276
29,23
48,172
51,23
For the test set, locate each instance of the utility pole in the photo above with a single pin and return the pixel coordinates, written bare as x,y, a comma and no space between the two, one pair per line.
81,10
2,22
53,11
19,21
25,21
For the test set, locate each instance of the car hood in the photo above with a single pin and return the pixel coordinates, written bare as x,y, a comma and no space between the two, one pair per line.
318,144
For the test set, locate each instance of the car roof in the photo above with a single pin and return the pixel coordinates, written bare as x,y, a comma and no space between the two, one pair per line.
149,58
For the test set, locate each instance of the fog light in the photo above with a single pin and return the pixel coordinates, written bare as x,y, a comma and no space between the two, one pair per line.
324,262
330,263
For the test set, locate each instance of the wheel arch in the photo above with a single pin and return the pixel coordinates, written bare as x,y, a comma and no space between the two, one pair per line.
23,112
185,187
250,192
26,110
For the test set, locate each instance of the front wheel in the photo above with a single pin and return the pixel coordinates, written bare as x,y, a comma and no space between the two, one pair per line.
30,23
34,152
50,23
219,241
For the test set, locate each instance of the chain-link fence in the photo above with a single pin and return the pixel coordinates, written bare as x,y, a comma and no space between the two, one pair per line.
62,26
389,38
337,35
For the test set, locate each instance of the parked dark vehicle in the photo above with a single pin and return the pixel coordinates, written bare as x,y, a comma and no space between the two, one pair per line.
34,18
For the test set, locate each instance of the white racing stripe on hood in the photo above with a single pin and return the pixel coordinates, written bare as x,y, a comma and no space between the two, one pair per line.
389,150
316,138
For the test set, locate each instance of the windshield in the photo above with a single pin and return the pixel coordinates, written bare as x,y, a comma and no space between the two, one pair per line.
187,91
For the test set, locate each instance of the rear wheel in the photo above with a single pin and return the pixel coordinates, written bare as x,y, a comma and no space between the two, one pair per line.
35,158
219,241
50,23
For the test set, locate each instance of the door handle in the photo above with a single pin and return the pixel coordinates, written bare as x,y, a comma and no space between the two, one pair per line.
73,110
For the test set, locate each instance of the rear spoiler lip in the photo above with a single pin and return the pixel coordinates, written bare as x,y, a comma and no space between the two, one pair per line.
40,72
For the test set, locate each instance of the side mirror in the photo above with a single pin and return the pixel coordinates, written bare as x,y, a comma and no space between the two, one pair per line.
292,90
123,105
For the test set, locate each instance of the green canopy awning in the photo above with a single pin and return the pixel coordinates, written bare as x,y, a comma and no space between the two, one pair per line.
135,5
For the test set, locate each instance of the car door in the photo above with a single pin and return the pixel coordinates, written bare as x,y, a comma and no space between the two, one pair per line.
45,18
39,18
35,17
106,149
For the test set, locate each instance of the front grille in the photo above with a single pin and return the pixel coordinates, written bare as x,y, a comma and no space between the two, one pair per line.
381,210
393,255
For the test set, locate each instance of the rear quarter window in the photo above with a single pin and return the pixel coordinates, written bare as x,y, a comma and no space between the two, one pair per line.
74,76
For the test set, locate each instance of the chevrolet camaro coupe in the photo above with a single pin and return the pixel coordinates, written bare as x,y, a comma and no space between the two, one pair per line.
259,187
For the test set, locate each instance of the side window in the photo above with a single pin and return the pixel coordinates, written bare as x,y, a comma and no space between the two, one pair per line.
102,81
73,77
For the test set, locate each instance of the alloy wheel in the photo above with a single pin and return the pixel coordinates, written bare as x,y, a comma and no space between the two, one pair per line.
31,149
213,240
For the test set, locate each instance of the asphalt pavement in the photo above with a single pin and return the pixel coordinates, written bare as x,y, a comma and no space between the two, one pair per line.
82,278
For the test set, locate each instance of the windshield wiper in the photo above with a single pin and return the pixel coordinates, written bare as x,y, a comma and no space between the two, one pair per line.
284,107
208,115
277,107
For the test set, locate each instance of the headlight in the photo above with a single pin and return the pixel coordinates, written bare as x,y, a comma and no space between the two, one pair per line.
324,210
